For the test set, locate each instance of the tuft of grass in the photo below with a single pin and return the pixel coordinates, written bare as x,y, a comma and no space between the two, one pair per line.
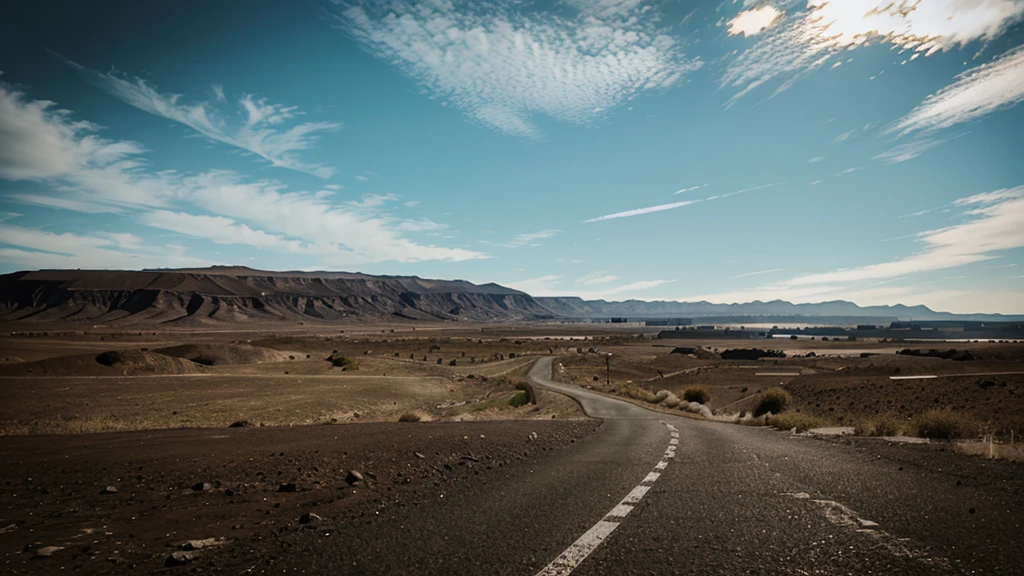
885,425
774,400
668,399
414,416
697,394
946,425
791,420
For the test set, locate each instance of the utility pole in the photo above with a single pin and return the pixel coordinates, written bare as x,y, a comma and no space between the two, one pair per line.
608,369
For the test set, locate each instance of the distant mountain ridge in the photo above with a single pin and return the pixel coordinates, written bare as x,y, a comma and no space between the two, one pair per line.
577,307
241,295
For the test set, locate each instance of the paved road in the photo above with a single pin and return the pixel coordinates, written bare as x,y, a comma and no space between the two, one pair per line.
650,493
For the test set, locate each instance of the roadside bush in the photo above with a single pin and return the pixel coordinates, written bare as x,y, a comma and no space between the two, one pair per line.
791,420
669,400
343,362
696,394
881,426
414,416
946,425
774,400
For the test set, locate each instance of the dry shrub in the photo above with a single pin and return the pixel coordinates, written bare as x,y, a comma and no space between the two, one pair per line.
774,400
343,362
887,425
696,394
946,425
801,422
414,416
670,400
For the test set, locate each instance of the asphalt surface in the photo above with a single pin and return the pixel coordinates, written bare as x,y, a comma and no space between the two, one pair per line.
729,500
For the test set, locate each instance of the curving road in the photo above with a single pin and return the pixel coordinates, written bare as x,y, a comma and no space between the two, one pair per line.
650,493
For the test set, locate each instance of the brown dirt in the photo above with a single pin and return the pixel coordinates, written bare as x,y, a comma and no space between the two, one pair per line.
51,486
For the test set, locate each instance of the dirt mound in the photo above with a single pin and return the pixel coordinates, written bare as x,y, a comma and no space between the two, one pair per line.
131,362
111,363
225,354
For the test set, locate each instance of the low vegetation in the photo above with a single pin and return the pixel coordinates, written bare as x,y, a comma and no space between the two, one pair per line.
697,394
343,362
414,416
885,425
946,425
796,420
773,400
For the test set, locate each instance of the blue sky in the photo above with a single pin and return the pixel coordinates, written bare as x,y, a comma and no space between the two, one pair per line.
728,151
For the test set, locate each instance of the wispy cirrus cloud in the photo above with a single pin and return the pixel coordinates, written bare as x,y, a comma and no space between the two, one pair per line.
505,63
672,205
993,224
260,127
549,286
759,272
806,39
597,278
975,93
85,173
529,238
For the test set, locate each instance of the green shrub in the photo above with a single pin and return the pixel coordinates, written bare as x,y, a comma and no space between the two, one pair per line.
343,362
946,425
774,400
696,394
791,420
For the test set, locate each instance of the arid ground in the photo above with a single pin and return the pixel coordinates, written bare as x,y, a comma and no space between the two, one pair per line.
121,448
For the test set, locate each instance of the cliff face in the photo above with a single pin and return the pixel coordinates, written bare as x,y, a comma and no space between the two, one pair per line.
241,295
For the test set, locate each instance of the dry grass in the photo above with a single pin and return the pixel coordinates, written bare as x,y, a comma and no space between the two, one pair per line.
414,416
885,425
801,422
947,425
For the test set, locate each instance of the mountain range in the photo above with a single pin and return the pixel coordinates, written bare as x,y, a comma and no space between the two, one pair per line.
241,295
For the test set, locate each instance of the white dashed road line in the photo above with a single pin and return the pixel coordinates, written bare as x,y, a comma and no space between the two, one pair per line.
572,557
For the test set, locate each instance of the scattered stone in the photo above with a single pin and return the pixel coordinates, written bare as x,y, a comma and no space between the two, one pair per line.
418,455
192,545
47,551
180,558
109,490
8,528
287,488
353,477
241,423
229,492
202,486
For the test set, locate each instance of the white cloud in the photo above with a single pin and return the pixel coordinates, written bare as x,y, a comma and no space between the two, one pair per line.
815,160
597,278
807,39
259,131
672,205
642,211
753,22
690,189
907,151
89,174
759,272
30,248
412,203
994,224
502,67
530,239
979,91
547,286
606,8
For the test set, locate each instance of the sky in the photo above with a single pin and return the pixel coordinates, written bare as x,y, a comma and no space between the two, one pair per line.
862,150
